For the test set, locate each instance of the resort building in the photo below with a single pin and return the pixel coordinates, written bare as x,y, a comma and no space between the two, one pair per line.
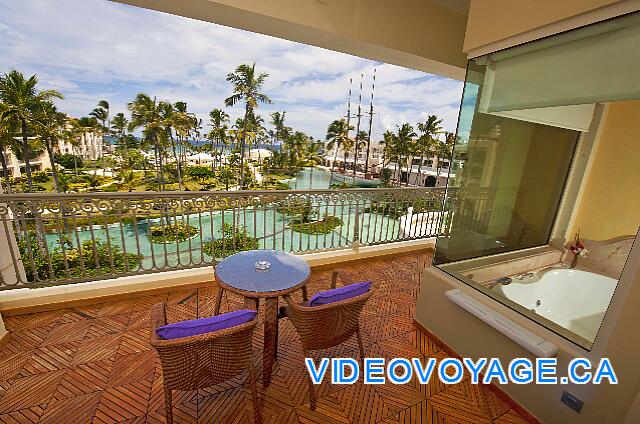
433,172
426,175
258,155
530,253
16,167
337,159
89,145
198,159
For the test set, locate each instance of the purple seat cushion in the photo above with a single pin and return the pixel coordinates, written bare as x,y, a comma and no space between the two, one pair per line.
205,325
340,293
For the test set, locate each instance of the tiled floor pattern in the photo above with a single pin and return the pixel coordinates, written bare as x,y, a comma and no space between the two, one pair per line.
93,364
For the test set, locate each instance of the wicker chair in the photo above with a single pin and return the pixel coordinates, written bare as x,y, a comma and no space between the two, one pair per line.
196,362
321,327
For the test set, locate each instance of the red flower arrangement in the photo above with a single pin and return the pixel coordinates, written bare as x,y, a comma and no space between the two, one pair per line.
577,248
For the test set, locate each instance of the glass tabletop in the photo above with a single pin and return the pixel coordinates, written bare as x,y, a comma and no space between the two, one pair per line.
262,271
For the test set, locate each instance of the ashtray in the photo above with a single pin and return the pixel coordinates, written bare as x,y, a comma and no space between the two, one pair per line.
262,266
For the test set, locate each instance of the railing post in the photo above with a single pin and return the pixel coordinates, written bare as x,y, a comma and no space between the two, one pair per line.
11,268
356,228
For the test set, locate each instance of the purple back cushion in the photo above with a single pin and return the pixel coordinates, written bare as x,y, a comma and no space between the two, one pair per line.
205,325
340,293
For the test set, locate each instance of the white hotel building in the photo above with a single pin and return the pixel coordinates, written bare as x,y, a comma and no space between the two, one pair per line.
433,173
90,146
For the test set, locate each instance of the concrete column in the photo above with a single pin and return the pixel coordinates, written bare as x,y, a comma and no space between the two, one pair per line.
7,269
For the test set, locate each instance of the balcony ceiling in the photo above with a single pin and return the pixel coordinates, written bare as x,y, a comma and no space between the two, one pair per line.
426,35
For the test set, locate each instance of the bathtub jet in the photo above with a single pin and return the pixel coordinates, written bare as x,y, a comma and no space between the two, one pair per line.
503,281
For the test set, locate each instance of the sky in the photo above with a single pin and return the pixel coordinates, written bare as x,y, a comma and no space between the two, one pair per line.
96,49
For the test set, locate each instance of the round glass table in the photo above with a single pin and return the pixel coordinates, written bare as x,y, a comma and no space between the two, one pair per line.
262,274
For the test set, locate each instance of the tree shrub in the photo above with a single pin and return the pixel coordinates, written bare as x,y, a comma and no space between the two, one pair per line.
78,186
233,240
172,233
341,185
301,210
200,172
67,161
76,259
40,177
324,226
385,177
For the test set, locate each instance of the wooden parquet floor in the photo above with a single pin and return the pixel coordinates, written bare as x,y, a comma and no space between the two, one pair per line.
93,364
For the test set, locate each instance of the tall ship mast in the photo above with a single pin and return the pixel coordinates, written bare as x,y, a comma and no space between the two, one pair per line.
357,137
366,161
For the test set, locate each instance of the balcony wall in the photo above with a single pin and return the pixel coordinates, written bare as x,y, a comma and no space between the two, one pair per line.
613,171
494,25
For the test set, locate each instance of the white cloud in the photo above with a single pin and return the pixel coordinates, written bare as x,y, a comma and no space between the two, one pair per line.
95,49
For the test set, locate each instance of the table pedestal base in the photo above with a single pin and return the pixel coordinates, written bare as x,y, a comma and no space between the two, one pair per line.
270,349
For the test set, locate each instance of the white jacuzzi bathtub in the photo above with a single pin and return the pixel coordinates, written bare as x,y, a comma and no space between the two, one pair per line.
574,299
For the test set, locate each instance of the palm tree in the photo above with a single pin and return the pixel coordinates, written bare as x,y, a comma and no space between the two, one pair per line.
145,112
49,126
348,146
196,126
186,125
7,130
338,137
101,115
279,135
391,152
445,149
360,142
260,137
173,117
281,130
131,158
218,119
246,87
297,143
249,131
313,156
118,127
449,138
119,124
226,140
387,143
226,174
402,146
236,134
426,143
129,180
22,99
104,105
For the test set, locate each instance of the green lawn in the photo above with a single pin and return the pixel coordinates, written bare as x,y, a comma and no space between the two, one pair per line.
275,182
278,176
324,226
